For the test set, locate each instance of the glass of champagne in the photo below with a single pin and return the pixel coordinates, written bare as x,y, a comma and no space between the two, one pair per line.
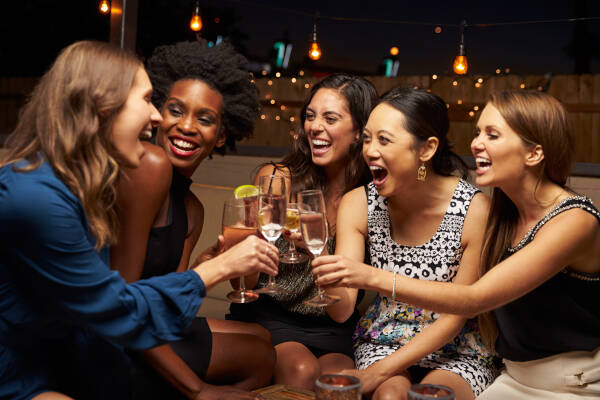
271,217
313,225
292,224
239,222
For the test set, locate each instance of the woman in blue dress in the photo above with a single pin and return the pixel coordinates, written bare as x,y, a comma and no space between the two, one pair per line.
65,316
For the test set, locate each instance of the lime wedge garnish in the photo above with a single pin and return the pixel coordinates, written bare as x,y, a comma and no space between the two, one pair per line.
245,191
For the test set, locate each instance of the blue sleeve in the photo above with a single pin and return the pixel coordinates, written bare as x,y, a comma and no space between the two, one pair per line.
44,229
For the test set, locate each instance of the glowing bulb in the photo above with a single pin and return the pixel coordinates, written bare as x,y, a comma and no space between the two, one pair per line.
263,116
104,7
454,83
498,70
196,21
477,84
434,77
292,119
459,101
438,29
522,86
471,114
269,82
476,108
272,101
293,80
314,53
277,117
278,74
307,85
263,72
301,73
460,66
394,51
282,107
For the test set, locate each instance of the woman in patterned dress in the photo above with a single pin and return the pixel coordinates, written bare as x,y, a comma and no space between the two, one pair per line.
540,261
420,221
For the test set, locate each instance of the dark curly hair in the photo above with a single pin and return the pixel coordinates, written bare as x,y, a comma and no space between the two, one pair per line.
220,67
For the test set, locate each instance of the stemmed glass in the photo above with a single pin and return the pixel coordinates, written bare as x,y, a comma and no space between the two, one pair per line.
239,222
313,225
292,224
271,217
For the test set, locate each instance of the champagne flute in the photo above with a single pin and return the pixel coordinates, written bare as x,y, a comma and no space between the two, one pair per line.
271,217
292,224
239,222
313,225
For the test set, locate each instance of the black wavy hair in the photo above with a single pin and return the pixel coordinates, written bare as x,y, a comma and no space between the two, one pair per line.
220,67
361,96
426,115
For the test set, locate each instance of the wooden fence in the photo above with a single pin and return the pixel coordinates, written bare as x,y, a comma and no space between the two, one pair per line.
281,99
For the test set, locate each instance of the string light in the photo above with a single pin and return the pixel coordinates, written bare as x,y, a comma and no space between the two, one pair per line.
314,53
104,7
196,21
434,77
278,74
394,51
293,80
461,66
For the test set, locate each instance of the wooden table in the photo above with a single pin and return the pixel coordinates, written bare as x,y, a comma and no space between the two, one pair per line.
283,392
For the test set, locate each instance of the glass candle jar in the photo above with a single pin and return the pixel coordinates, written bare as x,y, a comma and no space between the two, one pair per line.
337,387
425,391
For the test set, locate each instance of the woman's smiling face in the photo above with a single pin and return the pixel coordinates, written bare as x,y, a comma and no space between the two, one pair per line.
329,128
192,124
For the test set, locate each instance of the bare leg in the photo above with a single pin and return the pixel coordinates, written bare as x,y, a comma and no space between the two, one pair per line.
333,363
461,388
395,388
296,366
51,396
221,326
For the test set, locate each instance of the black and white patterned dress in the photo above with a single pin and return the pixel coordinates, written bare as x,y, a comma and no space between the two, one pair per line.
387,325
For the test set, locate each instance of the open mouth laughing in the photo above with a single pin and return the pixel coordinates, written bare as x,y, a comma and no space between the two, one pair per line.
320,147
483,164
182,147
379,174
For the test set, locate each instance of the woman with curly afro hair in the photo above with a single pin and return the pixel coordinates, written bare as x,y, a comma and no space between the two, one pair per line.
207,101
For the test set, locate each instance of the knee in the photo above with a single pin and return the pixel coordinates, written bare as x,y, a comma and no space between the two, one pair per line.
300,372
386,393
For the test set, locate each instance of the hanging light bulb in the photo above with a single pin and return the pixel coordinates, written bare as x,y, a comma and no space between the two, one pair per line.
104,7
196,21
461,65
314,53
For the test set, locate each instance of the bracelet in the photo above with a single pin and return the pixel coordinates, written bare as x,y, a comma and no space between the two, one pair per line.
394,288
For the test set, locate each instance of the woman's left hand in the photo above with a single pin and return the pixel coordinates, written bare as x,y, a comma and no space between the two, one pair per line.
340,271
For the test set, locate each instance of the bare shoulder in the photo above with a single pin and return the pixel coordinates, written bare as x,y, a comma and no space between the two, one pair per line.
479,207
353,210
150,181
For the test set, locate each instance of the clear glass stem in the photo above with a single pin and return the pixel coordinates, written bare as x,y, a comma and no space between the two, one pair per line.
292,249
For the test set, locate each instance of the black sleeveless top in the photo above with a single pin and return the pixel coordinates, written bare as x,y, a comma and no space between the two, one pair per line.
165,244
563,314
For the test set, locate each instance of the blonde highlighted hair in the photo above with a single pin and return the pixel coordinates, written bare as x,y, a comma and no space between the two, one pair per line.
538,119
67,122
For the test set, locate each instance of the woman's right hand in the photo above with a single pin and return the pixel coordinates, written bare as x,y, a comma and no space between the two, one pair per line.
250,256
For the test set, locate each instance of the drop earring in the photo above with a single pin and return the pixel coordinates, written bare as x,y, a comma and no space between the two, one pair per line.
421,172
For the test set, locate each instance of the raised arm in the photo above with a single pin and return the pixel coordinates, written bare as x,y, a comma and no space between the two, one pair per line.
141,198
571,238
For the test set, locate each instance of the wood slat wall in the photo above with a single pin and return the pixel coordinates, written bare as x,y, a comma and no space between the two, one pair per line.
579,93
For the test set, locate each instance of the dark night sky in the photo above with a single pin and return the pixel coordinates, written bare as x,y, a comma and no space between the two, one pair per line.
32,32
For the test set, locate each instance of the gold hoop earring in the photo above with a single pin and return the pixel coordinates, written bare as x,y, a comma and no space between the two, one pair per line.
421,173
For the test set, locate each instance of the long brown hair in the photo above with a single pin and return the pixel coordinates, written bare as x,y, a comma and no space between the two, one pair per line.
67,122
361,96
537,118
